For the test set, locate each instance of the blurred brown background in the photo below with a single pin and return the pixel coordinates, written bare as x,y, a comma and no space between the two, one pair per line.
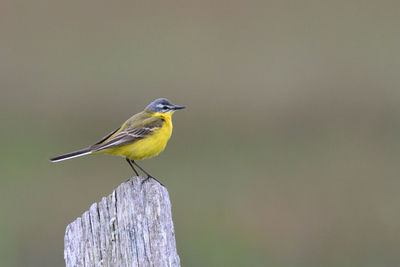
288,151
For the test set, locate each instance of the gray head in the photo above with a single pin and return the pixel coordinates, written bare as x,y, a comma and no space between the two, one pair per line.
162,105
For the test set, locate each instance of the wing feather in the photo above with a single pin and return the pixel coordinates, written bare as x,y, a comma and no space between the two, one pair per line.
130,134
107,136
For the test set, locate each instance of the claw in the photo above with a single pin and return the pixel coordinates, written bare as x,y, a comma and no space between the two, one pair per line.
151,177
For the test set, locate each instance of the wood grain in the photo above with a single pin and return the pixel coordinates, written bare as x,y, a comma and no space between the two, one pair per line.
131,227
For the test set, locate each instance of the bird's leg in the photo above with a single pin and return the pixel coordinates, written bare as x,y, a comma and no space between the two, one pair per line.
137,174
148,175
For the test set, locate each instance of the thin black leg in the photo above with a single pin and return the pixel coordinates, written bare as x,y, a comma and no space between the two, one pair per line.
130,164
148,174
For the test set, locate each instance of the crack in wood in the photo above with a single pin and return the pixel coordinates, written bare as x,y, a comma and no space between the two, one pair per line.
131,227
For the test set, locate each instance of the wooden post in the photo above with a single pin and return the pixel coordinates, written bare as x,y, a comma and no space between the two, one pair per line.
131,227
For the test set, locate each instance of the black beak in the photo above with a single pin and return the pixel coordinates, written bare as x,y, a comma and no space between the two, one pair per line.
176,107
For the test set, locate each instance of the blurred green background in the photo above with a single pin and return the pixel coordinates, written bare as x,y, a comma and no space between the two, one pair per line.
288,151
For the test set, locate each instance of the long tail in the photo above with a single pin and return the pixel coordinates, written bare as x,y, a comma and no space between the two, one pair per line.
71,155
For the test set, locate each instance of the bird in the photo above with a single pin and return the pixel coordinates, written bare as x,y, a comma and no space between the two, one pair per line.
144,135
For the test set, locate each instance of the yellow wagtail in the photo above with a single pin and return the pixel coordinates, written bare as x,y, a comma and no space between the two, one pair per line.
142,136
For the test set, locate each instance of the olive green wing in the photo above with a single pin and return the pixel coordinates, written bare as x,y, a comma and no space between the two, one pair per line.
131,132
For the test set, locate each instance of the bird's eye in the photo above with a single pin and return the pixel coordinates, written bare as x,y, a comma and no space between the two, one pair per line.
165,107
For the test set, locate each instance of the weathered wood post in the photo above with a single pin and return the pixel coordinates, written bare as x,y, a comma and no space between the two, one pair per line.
131,227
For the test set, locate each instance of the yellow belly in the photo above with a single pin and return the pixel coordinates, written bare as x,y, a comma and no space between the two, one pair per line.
145,148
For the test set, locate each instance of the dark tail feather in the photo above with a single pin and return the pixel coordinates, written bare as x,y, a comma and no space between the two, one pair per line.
71,155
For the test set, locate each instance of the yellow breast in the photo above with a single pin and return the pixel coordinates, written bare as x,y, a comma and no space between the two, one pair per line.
147,147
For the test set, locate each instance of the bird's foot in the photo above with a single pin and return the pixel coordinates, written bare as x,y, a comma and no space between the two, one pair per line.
151,177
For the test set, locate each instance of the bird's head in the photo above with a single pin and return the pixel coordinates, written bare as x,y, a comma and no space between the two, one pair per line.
162,105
